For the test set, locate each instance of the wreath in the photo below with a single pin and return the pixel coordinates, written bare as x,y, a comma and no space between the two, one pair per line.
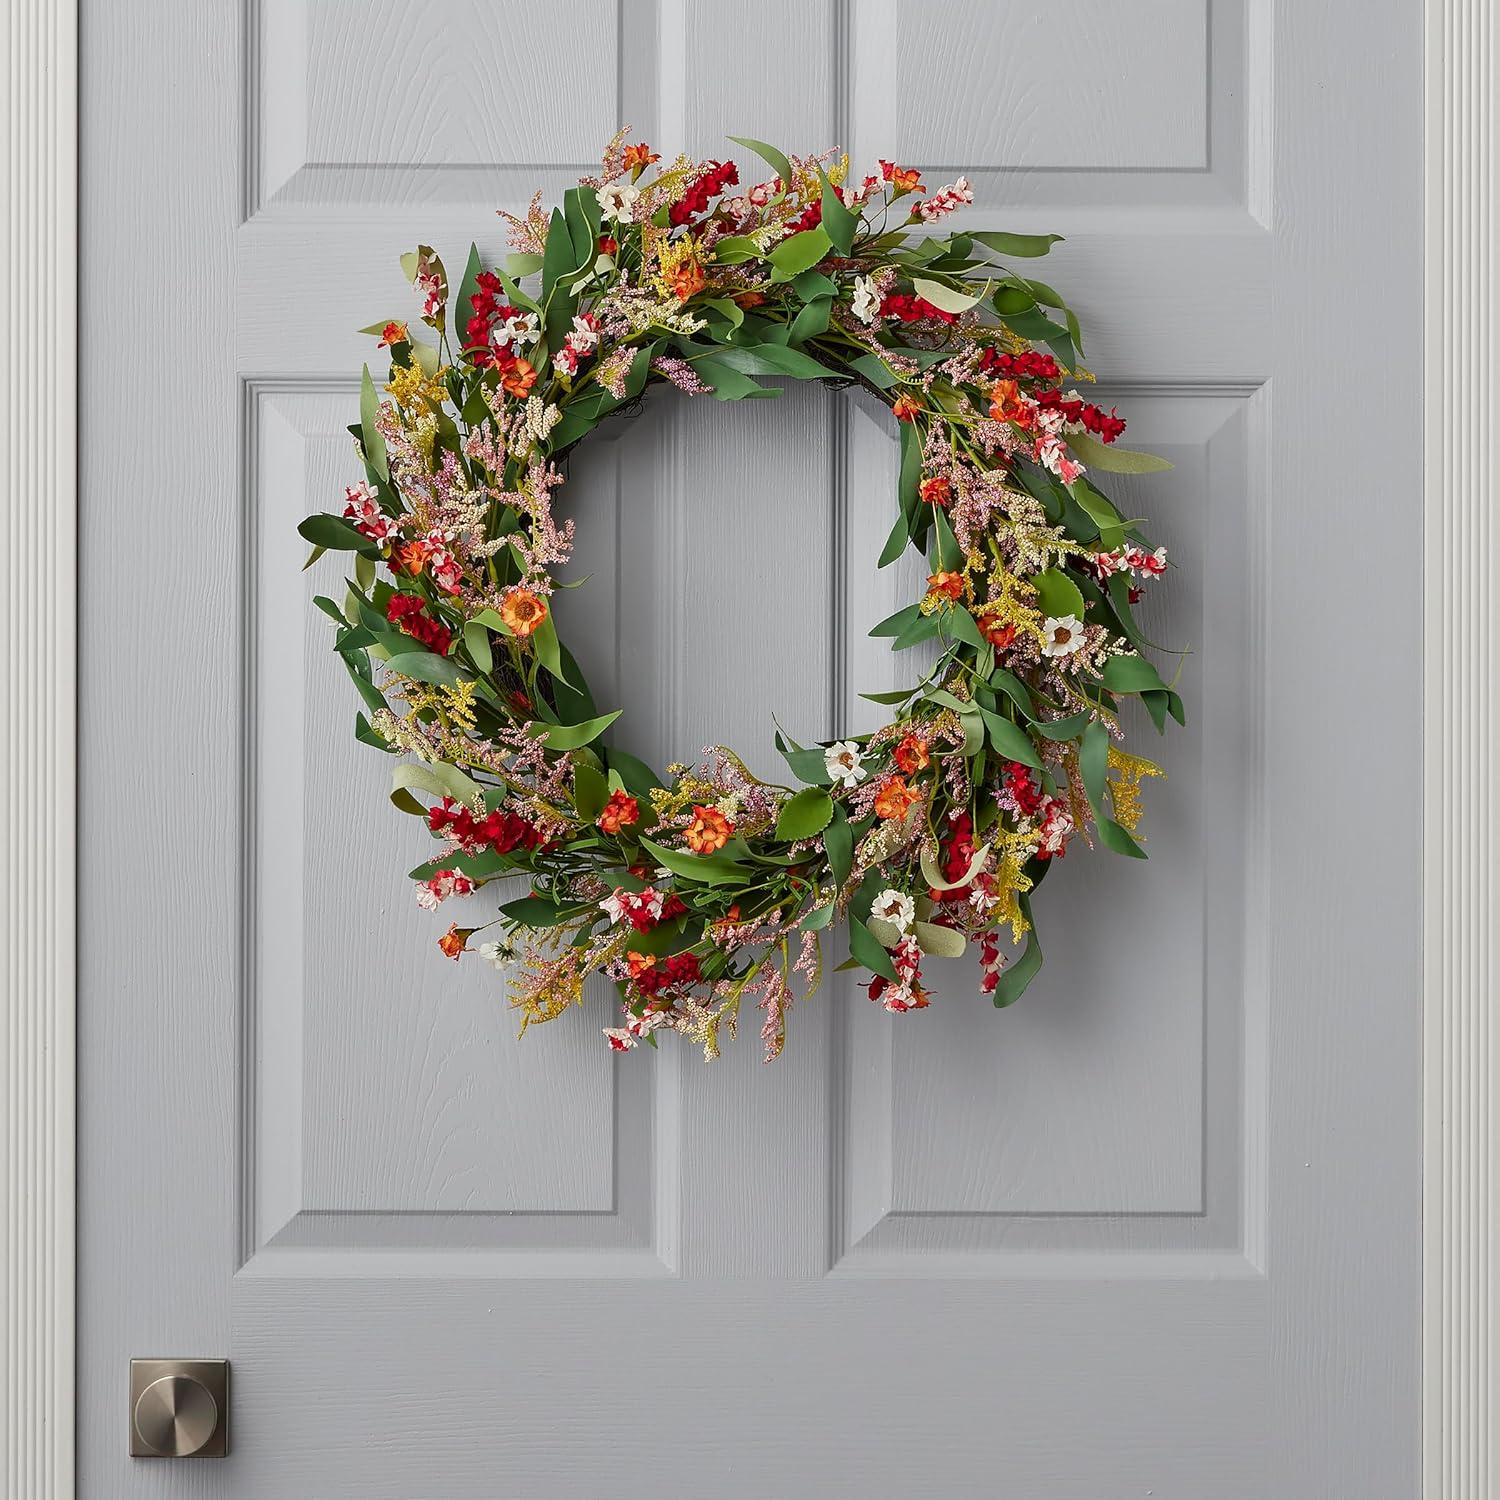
695,891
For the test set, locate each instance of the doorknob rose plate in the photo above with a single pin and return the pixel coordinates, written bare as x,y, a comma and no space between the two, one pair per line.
179,1408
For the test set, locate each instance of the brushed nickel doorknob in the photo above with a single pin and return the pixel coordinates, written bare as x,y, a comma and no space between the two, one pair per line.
179,1408
176,1416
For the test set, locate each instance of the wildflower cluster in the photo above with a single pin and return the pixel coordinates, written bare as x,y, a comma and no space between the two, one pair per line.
692,891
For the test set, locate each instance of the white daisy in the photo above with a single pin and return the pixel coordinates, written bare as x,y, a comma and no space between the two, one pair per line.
1063,635
498,954
845,763
866,303
617,201
895,907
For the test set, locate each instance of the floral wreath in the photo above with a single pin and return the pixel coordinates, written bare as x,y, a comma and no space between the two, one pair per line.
693,892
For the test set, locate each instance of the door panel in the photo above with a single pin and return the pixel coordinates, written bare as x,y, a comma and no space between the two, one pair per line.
1153,1230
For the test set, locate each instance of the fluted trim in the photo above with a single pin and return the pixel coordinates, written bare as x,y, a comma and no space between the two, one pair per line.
1461,1414
38,125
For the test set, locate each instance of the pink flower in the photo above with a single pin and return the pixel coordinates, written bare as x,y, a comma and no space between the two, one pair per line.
432,893
620,1040
362,509
946,200
447,572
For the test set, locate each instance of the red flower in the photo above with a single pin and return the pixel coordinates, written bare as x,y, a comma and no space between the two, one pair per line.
394,333
936,491
608,244
1028,365
497,830
904,409
911,309
709,183
409,612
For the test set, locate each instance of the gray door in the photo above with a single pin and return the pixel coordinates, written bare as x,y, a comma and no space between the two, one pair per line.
1154,1231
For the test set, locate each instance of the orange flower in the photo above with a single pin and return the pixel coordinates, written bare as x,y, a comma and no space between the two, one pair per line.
895,798
523,611
1001,637
730,917
394,333
639,157
946,585
639,963
749,299
687,279
709,831
936,491
911,753
455,941
620,811
1008,405
904,408
903,179
519,378
413,555
608,244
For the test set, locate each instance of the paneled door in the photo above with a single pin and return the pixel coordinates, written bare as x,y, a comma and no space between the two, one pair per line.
1153,1231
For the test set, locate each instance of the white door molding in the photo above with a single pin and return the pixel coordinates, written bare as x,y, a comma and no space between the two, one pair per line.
38,671
38,562
1461,1417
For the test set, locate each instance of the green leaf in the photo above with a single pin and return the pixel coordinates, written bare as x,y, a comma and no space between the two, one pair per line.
1016,976
463,305
808,765
1093,767
1102,513
948,554
637,777
370,438
864,948
534,911
768,154
838,844
437,780
423,666
522,263
893,625
590,790
941,942
725,381
548,651
734,249
711,869
1010,740
1131,674
804,814
798,253
945,297
838,220
332,534
1061,729
810,323
896,542
1058,595
771,359
1022,245
477,641
571,736
1112,460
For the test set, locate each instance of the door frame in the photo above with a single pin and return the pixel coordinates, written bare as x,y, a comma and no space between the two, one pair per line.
38,722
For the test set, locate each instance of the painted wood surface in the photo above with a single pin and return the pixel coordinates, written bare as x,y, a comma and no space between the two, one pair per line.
1152,1231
